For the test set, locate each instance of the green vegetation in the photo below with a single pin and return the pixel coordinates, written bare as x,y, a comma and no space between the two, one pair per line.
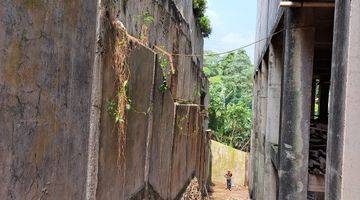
163,65
199,7
230,91
205,26
145,18
111,108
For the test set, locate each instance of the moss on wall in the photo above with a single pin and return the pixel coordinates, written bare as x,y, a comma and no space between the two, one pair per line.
225,157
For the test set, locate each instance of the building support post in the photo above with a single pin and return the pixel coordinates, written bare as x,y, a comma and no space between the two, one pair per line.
273,116
262,128
254,136
343,161
296,104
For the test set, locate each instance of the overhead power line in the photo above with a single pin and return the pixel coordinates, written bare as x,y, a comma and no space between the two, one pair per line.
209,54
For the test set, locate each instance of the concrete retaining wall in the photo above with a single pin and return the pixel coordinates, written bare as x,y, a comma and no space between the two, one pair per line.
56,74
224,158
46,58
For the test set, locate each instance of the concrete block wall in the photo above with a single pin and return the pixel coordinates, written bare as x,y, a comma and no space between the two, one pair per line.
57,138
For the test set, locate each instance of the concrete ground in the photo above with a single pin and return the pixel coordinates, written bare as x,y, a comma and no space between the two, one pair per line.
220,193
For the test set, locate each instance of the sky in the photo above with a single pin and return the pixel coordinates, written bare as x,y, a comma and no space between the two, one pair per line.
233,25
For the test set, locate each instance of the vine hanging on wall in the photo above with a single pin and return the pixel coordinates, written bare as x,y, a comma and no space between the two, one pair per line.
117,107
165,62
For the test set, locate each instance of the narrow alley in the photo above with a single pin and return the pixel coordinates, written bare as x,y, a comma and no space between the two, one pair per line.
179,99
220,193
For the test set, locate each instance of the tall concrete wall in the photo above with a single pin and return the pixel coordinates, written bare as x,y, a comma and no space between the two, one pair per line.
343,164
56,79
268,16
45,79
224,158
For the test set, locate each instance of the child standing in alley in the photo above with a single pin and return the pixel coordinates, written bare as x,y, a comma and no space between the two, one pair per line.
228,176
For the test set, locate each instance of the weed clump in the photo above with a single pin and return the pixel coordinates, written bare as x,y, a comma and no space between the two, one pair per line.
145,19
163,65
205,26
199,8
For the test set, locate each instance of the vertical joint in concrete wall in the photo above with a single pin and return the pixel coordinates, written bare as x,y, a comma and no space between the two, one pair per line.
262,127
253,146
273,118
95,110
295,125
150,133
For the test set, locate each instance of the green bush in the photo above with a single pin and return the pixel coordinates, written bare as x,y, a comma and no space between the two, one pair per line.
205,26
199,7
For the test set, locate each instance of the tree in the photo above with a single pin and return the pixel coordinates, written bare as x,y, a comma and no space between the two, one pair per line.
230,89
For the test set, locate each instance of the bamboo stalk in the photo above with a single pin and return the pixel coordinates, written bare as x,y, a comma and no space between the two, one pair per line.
307,4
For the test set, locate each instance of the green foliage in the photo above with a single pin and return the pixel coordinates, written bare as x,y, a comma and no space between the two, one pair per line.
230,91
199,7
145,18
111,108
205,26
163,65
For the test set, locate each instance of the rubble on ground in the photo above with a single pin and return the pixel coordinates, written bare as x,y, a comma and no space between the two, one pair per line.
192,192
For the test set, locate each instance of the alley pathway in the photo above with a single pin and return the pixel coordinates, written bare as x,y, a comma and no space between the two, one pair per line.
237,193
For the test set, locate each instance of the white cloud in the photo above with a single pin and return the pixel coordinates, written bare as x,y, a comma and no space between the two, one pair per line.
215,20
235,40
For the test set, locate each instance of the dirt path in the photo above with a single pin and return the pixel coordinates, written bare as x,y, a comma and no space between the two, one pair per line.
237,193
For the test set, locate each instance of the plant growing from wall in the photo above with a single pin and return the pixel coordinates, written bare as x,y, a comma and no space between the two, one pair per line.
145,19
199,8
117,106
164,63
205,26
111,108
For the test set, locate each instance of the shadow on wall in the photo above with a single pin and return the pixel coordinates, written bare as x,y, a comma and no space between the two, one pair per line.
224,157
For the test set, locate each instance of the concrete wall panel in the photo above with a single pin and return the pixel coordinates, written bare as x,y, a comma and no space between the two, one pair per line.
162,140
268,15
111,172
179,150
47,51
142,68
193,132
45,86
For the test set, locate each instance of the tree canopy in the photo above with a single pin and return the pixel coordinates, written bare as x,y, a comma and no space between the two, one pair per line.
230,89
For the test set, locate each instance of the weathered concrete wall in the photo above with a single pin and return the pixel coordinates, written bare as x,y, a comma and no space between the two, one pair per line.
262,121
121,165
172,152
296,104
57,76
275,70
343,162
47,52
224,158
268,16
